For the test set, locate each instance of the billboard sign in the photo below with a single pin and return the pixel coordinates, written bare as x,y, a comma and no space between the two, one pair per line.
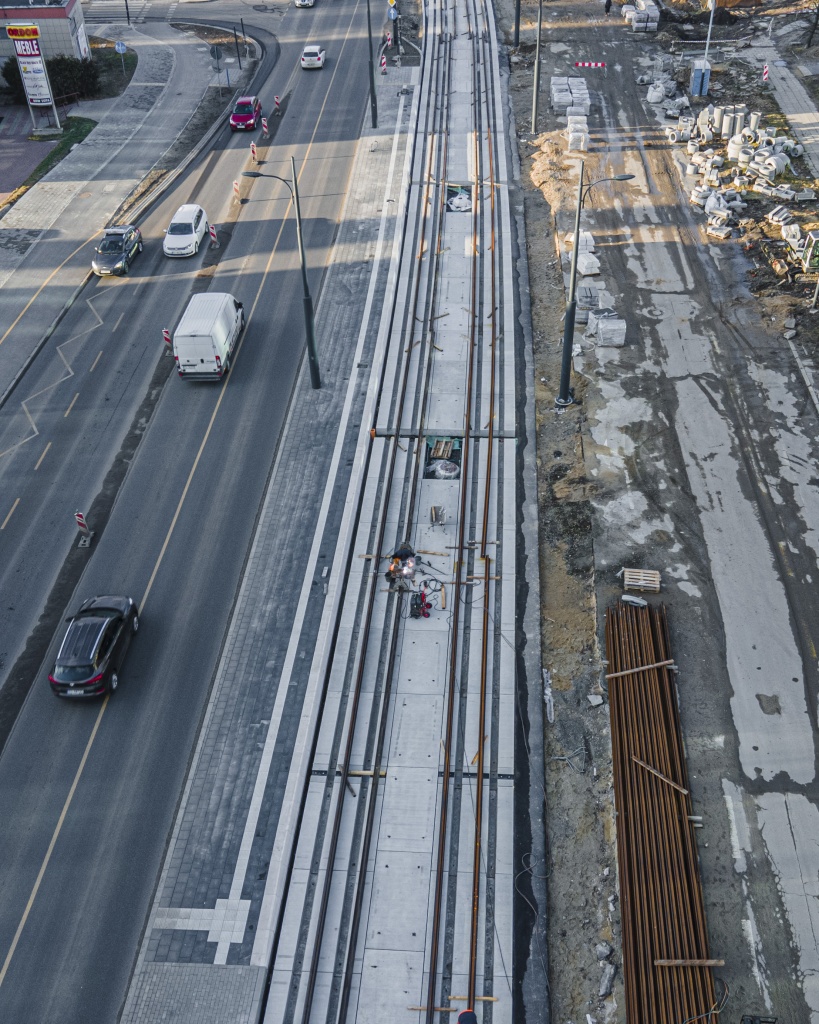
26,39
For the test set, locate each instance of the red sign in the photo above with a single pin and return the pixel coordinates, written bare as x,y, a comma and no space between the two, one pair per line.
23,31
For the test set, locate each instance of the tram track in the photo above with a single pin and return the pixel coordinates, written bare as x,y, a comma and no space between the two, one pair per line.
325,973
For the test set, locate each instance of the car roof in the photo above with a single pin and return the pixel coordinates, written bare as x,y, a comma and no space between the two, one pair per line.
117,604
312,46
119,230
188,210
81,639
246,99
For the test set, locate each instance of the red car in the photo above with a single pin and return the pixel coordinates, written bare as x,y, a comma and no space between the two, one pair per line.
247,114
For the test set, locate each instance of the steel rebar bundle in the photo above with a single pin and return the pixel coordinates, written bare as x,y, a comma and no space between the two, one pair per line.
663,917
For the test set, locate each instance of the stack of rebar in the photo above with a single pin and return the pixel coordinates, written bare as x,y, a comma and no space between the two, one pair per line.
666,969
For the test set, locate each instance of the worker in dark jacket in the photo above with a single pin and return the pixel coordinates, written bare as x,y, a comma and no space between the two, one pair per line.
608,7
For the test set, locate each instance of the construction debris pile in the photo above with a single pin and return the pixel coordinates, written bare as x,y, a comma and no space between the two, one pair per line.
666,966
732,154
642,15
570,98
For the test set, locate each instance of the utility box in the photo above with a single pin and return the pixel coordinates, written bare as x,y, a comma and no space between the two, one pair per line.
700,77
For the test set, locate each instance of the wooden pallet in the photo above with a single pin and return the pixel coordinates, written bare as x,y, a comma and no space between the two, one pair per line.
641,579
442,449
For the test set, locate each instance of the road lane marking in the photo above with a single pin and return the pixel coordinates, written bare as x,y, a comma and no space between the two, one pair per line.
11,513
73,400
45,451
45,283
53,843
116,325
95,362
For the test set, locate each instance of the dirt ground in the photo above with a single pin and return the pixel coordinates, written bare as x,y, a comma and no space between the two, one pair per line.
584,936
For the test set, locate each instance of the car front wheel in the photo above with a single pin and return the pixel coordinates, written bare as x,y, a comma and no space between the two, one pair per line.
135,623
114,682
196,247
140,247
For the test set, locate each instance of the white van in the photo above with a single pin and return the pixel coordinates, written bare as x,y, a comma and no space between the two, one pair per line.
206,336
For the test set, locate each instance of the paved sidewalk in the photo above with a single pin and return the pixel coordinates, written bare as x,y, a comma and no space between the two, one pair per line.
793,101
81,194
18,156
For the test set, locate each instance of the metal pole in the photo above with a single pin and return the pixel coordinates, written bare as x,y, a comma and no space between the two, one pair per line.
398,31
516,40
312,358
238,55
127,13
704,92
536,89
815,295
565,396
373,102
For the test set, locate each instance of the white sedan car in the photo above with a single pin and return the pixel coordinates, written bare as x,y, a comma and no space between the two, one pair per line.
312,57
303,3
185,232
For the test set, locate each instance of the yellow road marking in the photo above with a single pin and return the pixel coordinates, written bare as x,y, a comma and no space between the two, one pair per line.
73,400
11,512
45,450
52,844
95,362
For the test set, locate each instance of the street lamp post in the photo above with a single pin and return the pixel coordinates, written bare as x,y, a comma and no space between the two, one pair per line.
565,396
536,85
373,102
309,325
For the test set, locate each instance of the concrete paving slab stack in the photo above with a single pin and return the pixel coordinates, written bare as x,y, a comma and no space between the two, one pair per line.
570,96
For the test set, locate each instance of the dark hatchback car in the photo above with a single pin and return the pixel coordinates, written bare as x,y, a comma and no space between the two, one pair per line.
117,250
94,647
247,114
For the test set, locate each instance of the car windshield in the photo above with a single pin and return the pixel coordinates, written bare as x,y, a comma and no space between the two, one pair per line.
72,673
243,108
180,228
311,53
114,243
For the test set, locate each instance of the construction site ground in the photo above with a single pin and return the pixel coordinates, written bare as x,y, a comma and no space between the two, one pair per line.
616,490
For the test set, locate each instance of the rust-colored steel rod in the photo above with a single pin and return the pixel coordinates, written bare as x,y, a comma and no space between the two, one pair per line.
661,893
476,863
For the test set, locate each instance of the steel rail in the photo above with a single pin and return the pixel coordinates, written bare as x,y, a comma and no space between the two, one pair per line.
461,545
479,787
362,650
377,759
363,640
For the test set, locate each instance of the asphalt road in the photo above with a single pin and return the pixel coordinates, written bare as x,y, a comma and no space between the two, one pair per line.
87,792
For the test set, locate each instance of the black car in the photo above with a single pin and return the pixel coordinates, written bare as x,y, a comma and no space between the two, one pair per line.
117,250
94,647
